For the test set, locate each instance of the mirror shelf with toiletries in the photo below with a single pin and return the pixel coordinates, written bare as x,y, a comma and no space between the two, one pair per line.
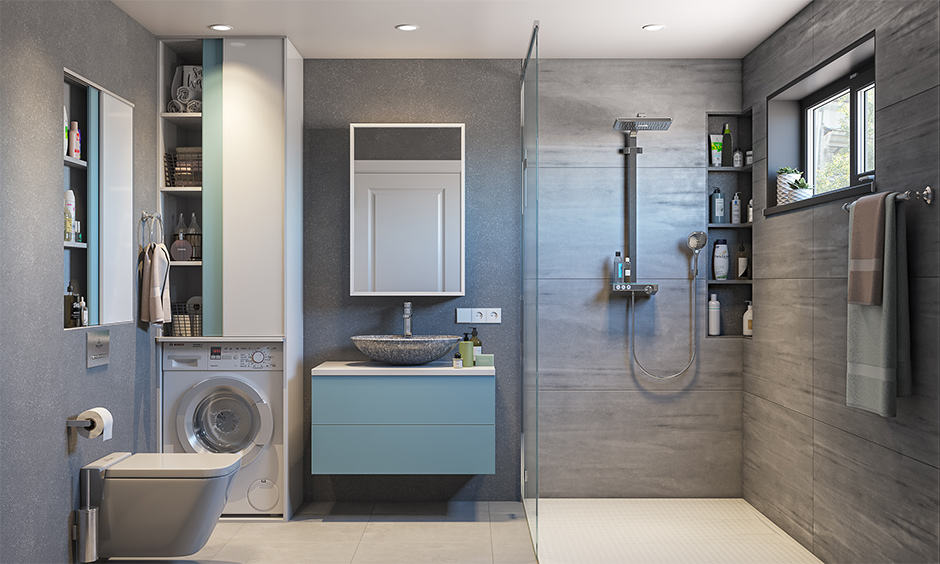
98,186
729,214
407,194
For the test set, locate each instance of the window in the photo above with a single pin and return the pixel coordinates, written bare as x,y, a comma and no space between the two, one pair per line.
839,133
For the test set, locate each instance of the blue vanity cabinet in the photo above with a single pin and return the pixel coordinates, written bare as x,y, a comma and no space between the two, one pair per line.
373,419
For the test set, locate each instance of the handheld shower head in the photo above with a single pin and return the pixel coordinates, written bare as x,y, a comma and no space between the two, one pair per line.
697,241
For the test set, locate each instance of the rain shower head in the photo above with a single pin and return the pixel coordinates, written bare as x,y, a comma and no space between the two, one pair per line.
642,123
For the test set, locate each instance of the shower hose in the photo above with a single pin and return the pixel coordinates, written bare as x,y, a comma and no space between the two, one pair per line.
694,306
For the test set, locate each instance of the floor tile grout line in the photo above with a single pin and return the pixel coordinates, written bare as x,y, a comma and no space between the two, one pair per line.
489,515
362,534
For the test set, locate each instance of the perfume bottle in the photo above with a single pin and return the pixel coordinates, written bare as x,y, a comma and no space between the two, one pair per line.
194,236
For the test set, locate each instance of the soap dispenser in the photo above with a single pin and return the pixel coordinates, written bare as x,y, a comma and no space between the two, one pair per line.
466,350
477,343
748,321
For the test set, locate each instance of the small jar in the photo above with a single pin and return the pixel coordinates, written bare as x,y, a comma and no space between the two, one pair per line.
749,158
737,159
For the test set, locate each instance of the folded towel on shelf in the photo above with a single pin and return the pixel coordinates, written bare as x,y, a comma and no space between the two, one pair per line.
185,94
878,353
866,249
175,106
194,106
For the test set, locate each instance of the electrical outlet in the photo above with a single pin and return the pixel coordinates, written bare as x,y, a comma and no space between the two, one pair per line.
486,315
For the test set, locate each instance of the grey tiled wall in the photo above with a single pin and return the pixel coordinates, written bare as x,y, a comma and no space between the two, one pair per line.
484,94
605,429
850,485
44,379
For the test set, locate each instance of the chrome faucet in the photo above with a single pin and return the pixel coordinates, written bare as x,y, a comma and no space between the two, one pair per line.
406,317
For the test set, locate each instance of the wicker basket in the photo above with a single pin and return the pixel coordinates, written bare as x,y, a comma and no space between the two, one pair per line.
184,324
784,192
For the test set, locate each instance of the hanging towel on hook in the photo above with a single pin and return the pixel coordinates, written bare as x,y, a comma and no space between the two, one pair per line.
154,268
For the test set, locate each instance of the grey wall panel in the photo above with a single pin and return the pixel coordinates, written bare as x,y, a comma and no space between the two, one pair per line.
44,378
484,94
853,449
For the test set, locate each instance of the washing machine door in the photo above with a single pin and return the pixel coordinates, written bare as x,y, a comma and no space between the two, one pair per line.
225,414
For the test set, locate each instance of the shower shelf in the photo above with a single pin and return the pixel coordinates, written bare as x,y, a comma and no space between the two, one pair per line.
730,282
730,168
728,336
729,225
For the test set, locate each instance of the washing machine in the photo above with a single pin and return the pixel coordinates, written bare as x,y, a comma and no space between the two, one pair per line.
229,397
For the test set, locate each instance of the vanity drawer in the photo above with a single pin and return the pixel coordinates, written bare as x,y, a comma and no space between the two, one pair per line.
403,400
403,449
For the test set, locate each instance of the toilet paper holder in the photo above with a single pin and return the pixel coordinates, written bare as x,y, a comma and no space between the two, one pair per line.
80,423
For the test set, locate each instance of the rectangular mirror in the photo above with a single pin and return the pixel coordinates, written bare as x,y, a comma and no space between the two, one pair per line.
406,209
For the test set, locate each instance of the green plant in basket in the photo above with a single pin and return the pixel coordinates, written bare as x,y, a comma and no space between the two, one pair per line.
800,184
788,170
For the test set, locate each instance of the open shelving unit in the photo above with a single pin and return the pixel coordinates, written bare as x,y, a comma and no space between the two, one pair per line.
732,293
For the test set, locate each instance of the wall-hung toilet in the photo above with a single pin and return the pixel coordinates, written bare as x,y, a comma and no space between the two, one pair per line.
152,504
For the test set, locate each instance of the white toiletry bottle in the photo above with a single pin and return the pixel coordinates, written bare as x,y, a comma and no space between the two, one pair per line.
736,208
75,141
750,210
618,268
69,214
84,308
718,206
714,316
720,262
748,321
738,159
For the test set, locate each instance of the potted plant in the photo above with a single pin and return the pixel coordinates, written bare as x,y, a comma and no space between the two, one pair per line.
785,176
800,190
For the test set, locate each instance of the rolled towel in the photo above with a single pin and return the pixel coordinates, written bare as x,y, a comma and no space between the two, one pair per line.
185,94
194,106
175,106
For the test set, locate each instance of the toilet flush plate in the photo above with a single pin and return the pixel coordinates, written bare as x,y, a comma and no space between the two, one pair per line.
97,348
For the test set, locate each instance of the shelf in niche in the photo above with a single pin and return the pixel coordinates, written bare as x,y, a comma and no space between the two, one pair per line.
728,336
187,120
744,168
185,263
729,225
183,192
75,163
75,245
730,282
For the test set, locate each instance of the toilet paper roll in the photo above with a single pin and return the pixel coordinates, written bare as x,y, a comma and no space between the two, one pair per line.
103,423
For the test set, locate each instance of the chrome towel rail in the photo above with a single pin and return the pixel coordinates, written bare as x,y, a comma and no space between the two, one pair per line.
926,194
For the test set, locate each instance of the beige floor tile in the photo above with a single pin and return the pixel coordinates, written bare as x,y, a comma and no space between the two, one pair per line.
451,552
426,532
454,511
301,531
287,552
511,542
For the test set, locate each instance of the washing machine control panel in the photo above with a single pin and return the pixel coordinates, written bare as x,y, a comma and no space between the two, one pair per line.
245,356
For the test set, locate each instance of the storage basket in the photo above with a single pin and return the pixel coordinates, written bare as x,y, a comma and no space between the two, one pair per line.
183,168
185,324
784,192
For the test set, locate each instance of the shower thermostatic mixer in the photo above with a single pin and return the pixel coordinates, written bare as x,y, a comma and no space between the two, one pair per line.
635,288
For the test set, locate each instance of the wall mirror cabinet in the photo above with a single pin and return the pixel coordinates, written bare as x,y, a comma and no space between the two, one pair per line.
406,209
98,230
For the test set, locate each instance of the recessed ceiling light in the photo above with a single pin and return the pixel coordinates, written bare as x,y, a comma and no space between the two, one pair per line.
406,27
220,27
654,27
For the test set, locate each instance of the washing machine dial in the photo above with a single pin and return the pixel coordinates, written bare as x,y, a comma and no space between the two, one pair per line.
257,357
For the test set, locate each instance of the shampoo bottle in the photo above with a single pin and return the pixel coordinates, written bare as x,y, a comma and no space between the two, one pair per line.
84,309
748,321
727,157
75,141
714,316
750,210
69,214
736,208
618,271
720,259
742,270
717,207
477,344
70,299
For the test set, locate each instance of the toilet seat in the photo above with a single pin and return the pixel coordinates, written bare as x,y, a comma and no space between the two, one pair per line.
175,465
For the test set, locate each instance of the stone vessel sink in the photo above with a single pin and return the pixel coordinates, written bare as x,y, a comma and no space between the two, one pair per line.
402,350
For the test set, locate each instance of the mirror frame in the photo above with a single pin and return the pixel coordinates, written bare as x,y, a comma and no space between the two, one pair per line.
352,206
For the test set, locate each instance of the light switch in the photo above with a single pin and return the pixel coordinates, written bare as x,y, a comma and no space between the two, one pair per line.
463,315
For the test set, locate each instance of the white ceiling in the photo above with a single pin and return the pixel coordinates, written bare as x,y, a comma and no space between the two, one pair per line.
482,28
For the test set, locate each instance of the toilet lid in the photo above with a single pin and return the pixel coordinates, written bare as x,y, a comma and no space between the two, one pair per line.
175,465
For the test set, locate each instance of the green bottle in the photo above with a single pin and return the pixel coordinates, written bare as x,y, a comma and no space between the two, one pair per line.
466,350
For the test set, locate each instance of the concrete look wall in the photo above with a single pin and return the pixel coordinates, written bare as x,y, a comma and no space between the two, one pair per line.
484,94
605,429
44,379
849,485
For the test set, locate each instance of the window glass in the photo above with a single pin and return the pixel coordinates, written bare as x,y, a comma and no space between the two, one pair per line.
866,105
829,140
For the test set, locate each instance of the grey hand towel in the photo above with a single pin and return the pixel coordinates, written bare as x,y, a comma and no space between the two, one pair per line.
866,249
878,363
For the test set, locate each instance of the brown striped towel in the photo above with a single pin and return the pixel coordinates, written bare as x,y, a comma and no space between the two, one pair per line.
866,250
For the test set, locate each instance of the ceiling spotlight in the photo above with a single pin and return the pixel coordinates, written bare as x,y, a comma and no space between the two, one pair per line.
406,27
220,27
654,27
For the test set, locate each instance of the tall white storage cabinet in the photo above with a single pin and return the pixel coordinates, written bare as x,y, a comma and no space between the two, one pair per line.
259,233
262,213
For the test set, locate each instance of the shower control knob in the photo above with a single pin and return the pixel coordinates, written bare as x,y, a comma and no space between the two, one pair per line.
257,357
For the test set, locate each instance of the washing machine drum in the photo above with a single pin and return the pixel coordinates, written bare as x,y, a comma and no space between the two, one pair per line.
225,414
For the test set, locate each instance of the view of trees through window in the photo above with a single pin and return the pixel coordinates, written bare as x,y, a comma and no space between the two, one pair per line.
831,137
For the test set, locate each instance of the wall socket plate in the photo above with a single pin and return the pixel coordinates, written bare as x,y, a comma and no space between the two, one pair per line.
479,315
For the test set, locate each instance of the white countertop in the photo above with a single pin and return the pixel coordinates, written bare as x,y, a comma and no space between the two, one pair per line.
368,368
169,339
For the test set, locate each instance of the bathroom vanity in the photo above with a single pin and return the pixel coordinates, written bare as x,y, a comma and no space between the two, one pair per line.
371,418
